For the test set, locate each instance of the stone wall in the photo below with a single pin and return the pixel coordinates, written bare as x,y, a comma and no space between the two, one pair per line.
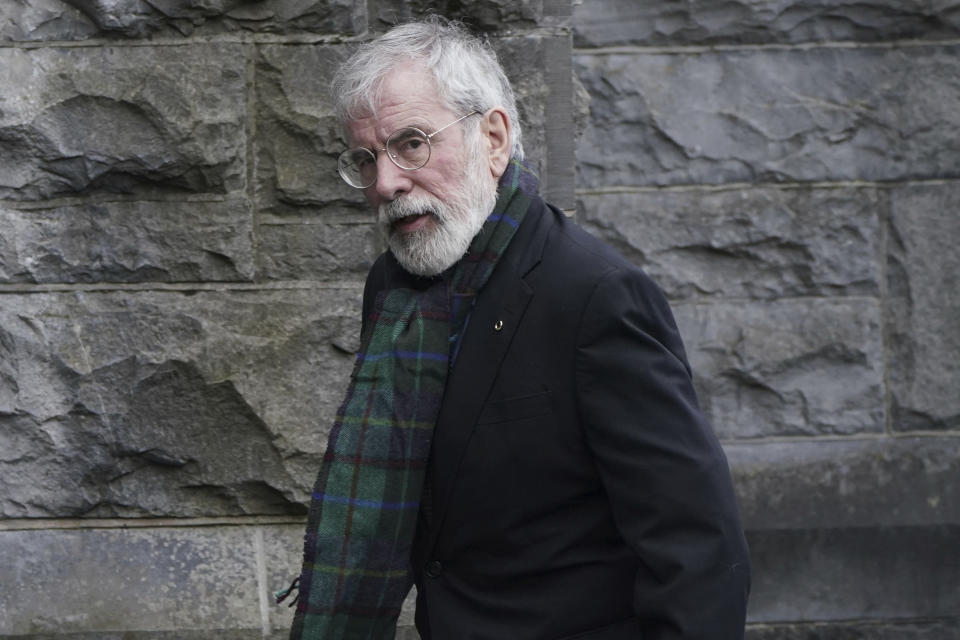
180,272
790,173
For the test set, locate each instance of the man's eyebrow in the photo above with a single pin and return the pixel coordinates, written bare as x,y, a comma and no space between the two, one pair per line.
417,123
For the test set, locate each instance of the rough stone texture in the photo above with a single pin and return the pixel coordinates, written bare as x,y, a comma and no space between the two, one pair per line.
923,310
758,243
298,139
681,22
770,115
127,242
318,250
479,15
848,483
45,20
150,580
771,368
132,120
484,16
850,574
923,629
178,404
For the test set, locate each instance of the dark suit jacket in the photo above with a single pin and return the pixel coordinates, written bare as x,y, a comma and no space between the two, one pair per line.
575,489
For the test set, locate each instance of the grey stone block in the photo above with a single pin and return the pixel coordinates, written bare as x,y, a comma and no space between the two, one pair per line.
105,581
43,20
604,23
923,308
317,250
298,139
127,242
46,20
922,629
165,403
527,62
746,243
878,573
791,367
144,120
480,15
847,483
770,115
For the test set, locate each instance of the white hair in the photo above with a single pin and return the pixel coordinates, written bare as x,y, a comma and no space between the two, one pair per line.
465,71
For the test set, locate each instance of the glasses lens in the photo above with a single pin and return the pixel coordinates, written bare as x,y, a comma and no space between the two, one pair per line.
409,148
358,167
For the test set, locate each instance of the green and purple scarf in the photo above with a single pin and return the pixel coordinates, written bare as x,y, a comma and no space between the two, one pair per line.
356,565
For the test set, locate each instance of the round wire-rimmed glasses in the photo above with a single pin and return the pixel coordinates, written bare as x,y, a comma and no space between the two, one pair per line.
408,148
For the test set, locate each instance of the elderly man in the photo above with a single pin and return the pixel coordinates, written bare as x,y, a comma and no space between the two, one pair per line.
520,437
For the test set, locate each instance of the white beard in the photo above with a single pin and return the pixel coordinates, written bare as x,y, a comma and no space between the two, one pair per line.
431,251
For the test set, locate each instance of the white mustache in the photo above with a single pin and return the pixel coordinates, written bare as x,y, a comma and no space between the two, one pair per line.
410,206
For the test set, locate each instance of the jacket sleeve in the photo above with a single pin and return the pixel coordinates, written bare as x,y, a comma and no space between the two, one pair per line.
661,465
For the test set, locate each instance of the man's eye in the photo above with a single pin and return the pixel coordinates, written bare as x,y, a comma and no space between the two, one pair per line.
410,144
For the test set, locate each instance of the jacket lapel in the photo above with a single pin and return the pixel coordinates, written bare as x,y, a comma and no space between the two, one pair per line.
492,325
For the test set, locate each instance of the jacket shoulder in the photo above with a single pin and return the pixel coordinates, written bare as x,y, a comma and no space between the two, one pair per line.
583,258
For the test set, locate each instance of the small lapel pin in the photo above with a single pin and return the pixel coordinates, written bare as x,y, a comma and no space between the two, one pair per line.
498,325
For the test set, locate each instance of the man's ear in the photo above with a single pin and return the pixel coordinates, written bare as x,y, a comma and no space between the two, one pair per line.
496,128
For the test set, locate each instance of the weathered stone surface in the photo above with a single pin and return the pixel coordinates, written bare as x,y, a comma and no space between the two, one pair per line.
923,308
142,120
754,243
528,62
770,115
127,242
318,250
138,579
855,574
45,20
606,23
922,629
862,483
199,583
775,368
298,138
179,404
479,15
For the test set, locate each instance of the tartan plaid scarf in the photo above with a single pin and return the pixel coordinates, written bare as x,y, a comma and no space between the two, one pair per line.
356,566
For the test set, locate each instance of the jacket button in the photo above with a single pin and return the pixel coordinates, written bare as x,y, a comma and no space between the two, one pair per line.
434,569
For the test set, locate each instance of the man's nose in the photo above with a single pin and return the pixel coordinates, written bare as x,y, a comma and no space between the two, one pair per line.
392,181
